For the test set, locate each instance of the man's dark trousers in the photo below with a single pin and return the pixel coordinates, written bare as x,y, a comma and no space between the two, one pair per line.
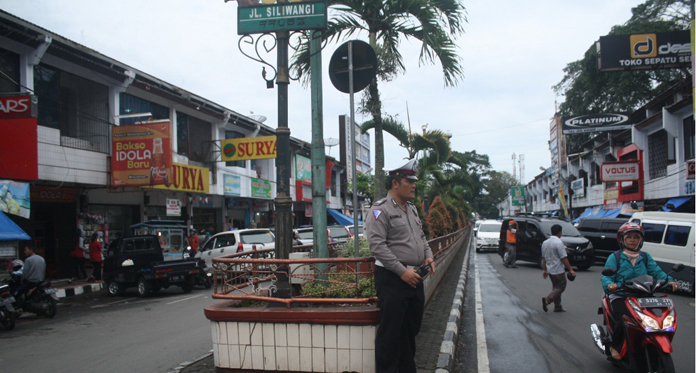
401,312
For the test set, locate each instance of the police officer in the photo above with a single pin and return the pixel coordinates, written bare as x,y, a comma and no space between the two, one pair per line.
398,243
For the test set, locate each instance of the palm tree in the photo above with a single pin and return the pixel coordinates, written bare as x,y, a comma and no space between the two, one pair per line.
435,23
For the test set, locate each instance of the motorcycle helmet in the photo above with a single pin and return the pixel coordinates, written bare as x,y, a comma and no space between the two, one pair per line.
17,264
630,227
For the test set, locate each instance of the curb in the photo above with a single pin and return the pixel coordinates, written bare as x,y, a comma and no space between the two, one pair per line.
186,364
448,348
74,290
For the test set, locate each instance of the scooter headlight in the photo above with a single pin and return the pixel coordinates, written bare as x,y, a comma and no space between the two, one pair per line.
668,323
649,323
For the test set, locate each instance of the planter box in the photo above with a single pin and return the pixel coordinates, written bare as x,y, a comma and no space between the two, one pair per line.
323,339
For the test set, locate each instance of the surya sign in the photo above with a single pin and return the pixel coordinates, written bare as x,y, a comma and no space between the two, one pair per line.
141,154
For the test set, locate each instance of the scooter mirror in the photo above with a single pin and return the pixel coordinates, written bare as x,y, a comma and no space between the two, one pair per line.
678,267
609,272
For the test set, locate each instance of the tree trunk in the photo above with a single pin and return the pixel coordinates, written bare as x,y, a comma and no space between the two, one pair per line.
376,111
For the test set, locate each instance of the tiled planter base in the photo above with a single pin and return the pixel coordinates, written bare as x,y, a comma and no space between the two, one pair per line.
296,340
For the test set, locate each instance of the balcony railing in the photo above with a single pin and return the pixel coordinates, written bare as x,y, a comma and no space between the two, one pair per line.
254,275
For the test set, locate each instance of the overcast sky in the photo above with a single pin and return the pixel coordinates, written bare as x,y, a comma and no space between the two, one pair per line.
513,53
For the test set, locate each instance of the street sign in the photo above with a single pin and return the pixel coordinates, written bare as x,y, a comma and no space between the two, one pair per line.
364,66
517,193
281,17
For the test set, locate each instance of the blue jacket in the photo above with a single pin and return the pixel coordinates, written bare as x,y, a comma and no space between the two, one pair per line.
628,272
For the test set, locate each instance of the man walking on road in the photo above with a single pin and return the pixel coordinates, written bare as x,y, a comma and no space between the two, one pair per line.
510,254
398,243
555,261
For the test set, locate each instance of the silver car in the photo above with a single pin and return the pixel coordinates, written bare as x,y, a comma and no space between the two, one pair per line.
236,241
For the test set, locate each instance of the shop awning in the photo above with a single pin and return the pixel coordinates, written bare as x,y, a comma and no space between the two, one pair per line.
340,218
675,203
9,231
610,214
583,215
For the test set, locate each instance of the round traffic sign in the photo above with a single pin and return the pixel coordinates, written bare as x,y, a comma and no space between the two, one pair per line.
364,66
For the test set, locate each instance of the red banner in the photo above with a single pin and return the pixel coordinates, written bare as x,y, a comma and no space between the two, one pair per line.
141,154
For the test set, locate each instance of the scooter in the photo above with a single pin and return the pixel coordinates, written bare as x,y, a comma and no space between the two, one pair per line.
7,312
649,328
41,299
205,276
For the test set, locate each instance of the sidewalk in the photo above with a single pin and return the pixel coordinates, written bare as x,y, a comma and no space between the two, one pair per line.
78,287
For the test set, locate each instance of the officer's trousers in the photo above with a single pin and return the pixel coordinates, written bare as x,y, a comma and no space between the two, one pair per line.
401,313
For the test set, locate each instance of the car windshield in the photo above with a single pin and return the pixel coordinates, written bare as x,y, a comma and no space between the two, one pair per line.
568,229
339,232
257,237
489,228
306,235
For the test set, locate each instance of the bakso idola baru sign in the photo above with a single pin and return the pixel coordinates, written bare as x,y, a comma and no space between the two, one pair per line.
141,154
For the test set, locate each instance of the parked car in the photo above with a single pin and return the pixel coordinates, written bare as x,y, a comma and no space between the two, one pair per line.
306,235
339,233
669,239
236,241
361,230
602,233
487,235
532,231
138,262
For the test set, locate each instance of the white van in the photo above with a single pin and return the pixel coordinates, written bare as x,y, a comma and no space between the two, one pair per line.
487,235
669,239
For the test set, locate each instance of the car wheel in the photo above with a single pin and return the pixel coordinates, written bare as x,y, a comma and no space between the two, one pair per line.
115,288
188,286
583,267
143,288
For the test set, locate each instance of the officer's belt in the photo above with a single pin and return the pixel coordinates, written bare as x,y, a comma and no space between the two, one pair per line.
378,263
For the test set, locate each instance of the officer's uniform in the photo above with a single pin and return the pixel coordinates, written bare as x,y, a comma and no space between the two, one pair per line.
397,241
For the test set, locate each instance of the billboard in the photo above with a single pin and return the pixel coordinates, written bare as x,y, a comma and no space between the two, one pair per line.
188,178
595,123
141,154
248,148
650,51
517,193
620,171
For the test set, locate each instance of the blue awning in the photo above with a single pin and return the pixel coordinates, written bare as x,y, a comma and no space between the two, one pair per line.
676,203
9,231
341,219
583,215
609,214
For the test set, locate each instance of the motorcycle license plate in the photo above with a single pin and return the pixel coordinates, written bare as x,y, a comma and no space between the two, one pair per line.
176,278
579,257
655,302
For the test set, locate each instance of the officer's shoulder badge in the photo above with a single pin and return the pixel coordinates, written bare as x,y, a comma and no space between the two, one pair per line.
380,202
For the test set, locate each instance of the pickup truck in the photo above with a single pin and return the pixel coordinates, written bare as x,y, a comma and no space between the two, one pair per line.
138,261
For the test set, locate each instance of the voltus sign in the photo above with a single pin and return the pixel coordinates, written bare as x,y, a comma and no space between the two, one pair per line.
620,171
248,148
595,123
659,50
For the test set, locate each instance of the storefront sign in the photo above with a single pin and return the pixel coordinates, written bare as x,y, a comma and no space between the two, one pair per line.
15,198
620,171
54,195
690,172
611,199
517,193
19,149
659,50
630,208
308,210
260,188
248,148
173,207
17,106
189,179
238,204
578,187
291,16
595,123
232,185
141,154
303,168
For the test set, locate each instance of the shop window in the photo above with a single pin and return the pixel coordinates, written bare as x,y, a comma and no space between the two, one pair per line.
129,104
235,135
193,137
658,154
78,107
689,138
9,65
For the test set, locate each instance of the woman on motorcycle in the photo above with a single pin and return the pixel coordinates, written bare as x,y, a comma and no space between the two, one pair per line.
632,263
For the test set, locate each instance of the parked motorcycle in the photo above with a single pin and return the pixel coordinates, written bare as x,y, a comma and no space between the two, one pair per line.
649,328
41,300
205,276
7,311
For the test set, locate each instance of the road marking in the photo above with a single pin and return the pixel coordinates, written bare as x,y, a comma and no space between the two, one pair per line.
116,302
183,299
482,346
